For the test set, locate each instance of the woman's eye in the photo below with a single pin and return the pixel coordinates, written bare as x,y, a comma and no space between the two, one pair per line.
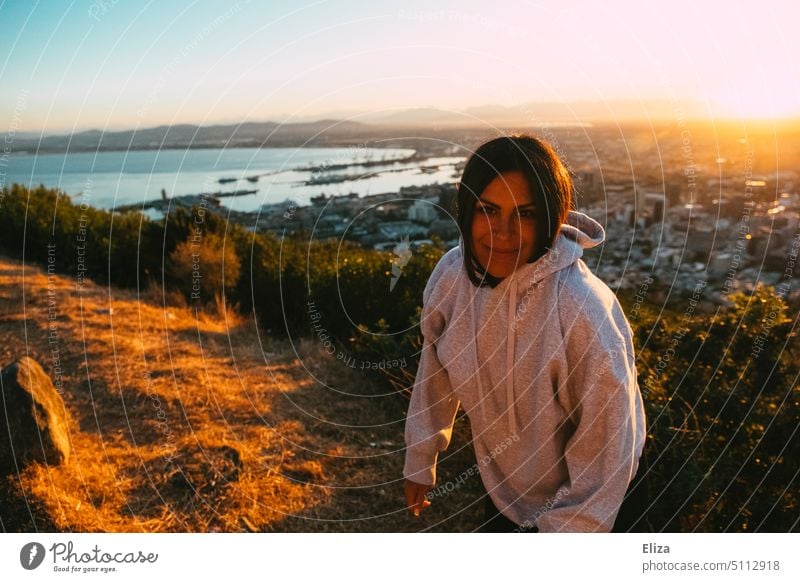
527,214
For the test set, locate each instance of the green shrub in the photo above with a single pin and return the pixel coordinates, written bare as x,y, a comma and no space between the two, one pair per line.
204,266
723,415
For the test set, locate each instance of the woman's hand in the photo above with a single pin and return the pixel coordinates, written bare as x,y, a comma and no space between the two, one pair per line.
415,497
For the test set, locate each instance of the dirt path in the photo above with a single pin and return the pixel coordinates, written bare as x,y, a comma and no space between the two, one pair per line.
190,422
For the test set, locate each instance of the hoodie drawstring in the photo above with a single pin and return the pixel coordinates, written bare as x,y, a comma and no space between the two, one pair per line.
510,346
512,336
481,395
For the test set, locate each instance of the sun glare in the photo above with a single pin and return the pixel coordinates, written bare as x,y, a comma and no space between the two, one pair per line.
772,92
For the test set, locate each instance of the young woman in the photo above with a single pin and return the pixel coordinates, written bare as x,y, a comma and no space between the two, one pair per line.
535,348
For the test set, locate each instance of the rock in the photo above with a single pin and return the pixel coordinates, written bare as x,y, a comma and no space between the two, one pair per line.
34,415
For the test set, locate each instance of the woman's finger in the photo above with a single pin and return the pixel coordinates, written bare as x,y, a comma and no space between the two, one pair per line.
415,497
419,497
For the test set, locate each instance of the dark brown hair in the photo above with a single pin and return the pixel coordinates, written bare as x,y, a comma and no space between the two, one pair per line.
547,178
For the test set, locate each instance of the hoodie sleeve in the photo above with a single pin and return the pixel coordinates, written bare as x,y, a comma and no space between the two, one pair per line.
433,406
598,388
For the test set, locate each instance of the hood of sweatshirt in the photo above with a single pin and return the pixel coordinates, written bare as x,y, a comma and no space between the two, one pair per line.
579,232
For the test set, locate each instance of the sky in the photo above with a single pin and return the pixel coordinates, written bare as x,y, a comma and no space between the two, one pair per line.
111,64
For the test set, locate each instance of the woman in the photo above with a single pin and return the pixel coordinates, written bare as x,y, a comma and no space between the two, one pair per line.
535,348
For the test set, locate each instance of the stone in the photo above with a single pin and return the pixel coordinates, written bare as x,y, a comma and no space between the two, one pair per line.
33,419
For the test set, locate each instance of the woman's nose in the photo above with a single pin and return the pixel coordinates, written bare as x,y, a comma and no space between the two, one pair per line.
506,228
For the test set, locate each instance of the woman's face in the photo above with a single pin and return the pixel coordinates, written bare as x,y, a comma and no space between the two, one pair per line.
504,225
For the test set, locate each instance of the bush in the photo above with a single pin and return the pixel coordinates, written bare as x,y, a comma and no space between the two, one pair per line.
204,266
723,414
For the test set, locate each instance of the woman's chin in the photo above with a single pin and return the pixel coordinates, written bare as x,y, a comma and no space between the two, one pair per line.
501,267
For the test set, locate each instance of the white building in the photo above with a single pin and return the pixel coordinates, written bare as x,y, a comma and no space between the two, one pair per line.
422,211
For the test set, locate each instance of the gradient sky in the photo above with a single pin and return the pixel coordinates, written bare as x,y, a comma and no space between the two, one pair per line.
101,64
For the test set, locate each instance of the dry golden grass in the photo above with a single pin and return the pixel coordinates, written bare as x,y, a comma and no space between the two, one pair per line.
187,420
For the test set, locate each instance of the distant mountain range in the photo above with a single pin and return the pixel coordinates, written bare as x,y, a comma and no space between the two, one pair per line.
534,114
360,125
251,134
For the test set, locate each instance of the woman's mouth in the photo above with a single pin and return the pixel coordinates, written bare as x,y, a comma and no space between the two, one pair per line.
503,251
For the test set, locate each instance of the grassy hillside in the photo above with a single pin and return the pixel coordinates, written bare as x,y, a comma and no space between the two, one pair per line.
188,422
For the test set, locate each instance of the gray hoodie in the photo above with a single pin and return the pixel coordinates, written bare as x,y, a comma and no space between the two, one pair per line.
543,365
